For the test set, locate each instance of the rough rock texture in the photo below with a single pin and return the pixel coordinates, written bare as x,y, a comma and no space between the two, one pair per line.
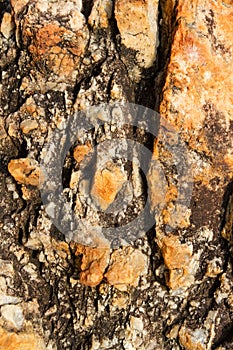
20,341
106,184
129,261
179,259
25,171
171,288
137,22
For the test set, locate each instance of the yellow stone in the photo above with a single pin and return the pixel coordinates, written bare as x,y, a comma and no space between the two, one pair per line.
107,183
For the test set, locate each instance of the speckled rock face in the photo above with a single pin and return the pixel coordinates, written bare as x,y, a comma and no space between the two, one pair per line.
170,289
197,100
197,97
20,341
56,37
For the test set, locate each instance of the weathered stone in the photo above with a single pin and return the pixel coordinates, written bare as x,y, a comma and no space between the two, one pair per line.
227,229
81,151
126,267
197,94
20,341
74,54
179,260
136,323
193,340
7,25
100,14
28,125
120,302
25,171
13,314
94,263
107,183
18,5
3,133
7,299
74,180
58,43
137,23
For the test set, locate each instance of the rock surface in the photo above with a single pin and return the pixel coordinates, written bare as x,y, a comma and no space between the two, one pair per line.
171,288
107,183
20,341
7,25
180,261
94,264
126,266
25,171
137,24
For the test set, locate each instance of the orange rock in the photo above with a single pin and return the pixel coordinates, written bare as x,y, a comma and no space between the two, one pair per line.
55,46
94,263
47,37
126,266
81,151
179,260
107,183
20,341
45,45
197,96
25,171
197,102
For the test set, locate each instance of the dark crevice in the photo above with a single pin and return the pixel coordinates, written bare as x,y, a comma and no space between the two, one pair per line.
226,338
226,198
86,8
167,28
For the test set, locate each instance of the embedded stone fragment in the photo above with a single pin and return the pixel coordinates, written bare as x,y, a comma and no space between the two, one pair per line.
179,260
74,180
7,299
100,14
126,267
25,171
81,151
93,265
193,340
28,125
137,23
20,341
13,314
107,183
7,25
56,45
18,5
